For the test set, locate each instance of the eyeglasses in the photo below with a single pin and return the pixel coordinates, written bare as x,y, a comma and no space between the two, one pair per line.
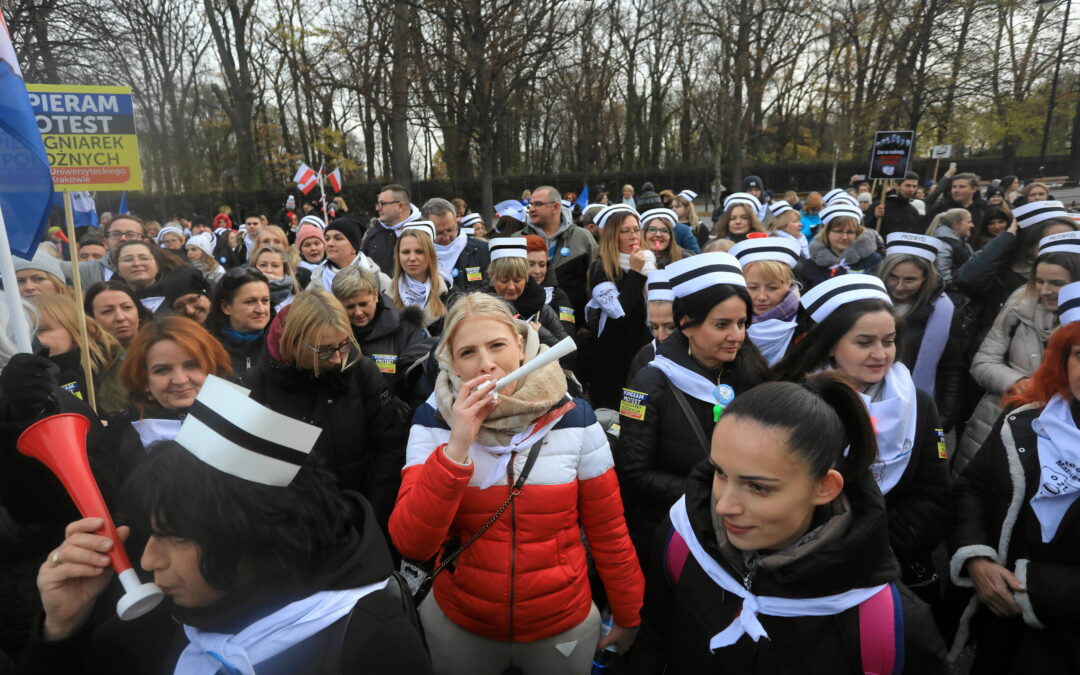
382,205
117,236
656,230
536,205
627,230
327,353
845,233
192,302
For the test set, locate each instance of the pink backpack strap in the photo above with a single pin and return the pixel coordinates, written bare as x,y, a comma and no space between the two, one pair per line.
881,633
675,554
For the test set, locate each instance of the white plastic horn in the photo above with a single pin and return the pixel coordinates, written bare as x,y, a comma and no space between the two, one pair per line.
561,349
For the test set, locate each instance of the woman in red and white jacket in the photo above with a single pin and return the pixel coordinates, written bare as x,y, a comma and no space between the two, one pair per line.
519,595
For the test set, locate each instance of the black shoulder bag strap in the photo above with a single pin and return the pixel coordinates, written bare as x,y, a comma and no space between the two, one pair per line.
695,423
448,559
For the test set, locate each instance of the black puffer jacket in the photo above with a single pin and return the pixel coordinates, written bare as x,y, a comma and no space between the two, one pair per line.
1046,637
393,340
364,427
988,278
657,445
900,216
679,619
242,353
951,367
377,636
470,269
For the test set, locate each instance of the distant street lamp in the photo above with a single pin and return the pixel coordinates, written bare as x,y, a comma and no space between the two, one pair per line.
1048,5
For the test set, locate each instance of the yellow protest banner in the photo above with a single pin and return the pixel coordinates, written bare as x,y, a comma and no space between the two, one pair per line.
89,136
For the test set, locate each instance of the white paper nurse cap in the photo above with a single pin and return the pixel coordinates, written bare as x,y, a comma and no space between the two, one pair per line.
252,442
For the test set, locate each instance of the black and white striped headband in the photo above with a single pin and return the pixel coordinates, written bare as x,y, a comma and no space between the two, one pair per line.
658,286
692,274
1064,242
758,249
661,213
507,247
823,299
608,211
744,198
1033,213
906,243
1069,303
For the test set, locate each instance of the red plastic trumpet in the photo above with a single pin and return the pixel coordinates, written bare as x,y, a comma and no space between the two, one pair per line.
59,442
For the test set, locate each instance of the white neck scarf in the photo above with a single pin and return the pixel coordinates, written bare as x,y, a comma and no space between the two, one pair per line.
449,254
803,244
151,430
521,440
152,303
772,338
935,335
605,297
1059,455
548,292
895,420
270,635
650,262
686,380
412,292
746,623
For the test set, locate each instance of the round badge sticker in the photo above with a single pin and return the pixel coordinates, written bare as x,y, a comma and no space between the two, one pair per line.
725,394
564,251
454,273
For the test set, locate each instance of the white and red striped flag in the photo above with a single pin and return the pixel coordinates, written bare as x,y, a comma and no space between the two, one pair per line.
335,180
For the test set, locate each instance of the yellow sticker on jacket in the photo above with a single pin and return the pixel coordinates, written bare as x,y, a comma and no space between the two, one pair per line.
73,389
566,314
387,363
633,404
942,450
473,274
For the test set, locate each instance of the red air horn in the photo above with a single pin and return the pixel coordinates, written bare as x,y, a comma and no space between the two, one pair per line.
59,442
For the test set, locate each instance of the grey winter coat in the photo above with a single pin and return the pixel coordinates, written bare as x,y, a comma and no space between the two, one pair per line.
1012,350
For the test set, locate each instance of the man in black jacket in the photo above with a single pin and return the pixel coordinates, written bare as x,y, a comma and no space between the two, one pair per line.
898,215
394,211
465,258
963,194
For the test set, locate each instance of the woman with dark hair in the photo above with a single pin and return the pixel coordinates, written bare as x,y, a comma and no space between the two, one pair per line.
616,312
855,331
658,236
1005,263
239,316
669,408
116,307
994,222
312,369
1014,537
934,342
782,535
143,268
740,217
187,292
1013,347
266,565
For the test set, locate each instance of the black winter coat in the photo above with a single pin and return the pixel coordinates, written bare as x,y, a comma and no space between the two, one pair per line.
986,500
641,359
376,637
900,216
378,244
678,620
610,353
364,427
393,340
470,269
988,278
951,367
656,452
242,354
918,505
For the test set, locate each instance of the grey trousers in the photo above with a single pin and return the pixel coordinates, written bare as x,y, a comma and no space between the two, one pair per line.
456,651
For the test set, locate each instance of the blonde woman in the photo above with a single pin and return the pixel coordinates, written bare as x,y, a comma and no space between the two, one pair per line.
616,313
41,276
276,264
786,222
417,280
689,230
518,597
312,370
58,333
